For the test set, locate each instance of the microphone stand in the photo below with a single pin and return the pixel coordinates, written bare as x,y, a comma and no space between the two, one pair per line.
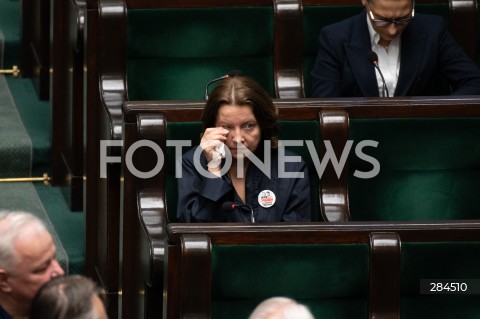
252,215
230,206
384,87
373,59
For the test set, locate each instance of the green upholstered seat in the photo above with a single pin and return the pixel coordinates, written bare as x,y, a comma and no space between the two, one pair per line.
289,130
189,131
305,131
438,260
429,169
173,53
331,279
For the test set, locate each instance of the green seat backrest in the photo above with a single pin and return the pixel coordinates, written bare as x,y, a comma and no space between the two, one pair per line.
189,131
173,53
289,130
316,17
429,169
332,279
439,260
305,131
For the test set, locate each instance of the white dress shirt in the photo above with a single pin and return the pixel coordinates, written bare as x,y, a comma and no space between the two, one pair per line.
388,60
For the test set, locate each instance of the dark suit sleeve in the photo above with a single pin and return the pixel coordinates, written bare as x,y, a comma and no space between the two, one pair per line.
299,207
457,67
199,196
327,71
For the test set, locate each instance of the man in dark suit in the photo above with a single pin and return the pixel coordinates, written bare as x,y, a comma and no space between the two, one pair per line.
414,51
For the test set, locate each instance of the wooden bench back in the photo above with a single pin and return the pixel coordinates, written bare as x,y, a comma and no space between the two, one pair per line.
369,282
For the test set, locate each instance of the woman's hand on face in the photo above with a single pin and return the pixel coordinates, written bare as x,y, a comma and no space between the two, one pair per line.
213,137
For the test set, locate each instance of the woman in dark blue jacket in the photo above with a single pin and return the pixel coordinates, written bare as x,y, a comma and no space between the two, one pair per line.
238,173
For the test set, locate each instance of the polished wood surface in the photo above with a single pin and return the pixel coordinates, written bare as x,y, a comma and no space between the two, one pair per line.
322,232
36,19
385,272
288,39
68,101
333,187
308,109
104,121
464,25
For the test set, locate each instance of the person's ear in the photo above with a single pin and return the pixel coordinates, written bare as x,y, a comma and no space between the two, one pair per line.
4,284
364,2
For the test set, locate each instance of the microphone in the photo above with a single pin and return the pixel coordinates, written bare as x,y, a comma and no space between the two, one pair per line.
373,59
231,206
230,74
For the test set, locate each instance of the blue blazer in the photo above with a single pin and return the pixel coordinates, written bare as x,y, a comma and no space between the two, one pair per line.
200,199
428,52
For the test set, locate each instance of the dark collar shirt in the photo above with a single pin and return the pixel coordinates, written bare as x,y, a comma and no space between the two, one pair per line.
4,314
202,199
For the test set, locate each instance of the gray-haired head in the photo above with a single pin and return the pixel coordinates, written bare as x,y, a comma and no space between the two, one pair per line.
281,308
13,224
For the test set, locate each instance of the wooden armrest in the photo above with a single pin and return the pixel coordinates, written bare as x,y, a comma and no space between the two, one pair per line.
151,194
384,276
463,19
288,49
112,40
144,217
334,185
196,267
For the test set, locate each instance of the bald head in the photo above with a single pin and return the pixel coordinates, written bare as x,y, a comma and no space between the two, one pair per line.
281,308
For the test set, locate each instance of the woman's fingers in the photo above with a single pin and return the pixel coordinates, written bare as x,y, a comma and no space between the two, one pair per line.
212,138
215,133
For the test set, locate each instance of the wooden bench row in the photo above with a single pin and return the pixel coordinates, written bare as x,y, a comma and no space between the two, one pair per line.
99,43
414,144
408,125
353,270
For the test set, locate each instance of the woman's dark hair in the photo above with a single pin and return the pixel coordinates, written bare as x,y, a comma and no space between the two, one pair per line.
241,90
66,297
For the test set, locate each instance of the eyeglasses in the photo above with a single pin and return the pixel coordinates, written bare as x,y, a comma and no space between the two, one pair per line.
383,22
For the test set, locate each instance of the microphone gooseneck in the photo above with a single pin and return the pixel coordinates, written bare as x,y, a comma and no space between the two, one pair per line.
230,74
373,59
231,206
213,81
